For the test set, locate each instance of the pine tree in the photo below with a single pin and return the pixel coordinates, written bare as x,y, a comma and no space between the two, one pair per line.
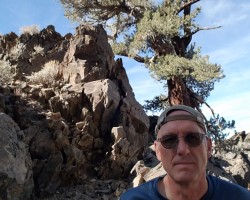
157,34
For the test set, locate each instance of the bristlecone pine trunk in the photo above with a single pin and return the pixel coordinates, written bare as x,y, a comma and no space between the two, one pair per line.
178,92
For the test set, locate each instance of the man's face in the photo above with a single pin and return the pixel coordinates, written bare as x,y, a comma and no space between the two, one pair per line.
184,164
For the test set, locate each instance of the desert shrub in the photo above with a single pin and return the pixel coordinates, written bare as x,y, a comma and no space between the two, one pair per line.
38,49
33,29
6,72
47,75
17,50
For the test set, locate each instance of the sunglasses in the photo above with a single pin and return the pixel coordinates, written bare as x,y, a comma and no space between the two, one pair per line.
171,141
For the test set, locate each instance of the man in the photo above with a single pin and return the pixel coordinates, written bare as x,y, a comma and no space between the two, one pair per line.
184,148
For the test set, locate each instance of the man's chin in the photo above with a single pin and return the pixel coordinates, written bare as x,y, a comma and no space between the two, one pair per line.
185,177
184,181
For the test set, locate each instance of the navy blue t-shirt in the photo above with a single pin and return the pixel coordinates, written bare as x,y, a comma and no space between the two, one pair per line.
217,190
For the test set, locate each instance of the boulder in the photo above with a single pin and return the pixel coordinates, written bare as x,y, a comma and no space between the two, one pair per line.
16,180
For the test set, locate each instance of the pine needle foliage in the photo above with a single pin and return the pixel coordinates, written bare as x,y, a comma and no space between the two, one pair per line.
157,34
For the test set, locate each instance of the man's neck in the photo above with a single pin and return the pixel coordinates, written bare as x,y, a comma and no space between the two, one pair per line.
183,191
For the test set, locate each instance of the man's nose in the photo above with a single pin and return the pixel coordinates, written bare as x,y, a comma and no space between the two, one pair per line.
182,147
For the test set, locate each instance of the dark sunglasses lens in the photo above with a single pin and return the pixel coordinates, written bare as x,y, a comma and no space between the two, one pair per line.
169,142
193,140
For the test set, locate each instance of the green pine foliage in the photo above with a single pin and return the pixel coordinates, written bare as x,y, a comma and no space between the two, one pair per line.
157,34
217,128
147,32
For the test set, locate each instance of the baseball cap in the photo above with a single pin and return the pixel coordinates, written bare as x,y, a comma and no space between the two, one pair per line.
195,116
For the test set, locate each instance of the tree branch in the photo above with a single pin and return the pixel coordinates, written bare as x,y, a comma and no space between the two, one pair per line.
136,58
188,4
204,28
187,31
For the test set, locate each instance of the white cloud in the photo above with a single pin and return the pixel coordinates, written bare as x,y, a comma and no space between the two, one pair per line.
225,56
143,85
231,50
146,88
239,77
212,8
136,69
232,107
225,12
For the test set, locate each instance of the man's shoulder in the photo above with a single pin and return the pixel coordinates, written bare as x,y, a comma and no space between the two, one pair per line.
143,191
228,189
223,183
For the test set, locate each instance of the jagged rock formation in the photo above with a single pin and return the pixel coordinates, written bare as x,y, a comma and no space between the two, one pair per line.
89,123
235,158
16,181
83,134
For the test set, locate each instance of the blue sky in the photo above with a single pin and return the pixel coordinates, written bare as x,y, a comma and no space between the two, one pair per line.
228,46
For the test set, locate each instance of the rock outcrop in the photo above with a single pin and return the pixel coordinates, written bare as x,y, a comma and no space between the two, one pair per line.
235,158
88,124
16,181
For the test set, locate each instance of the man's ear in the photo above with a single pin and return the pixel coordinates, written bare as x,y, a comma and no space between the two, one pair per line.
209,147
157,151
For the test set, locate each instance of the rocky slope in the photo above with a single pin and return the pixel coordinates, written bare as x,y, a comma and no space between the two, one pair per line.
79,137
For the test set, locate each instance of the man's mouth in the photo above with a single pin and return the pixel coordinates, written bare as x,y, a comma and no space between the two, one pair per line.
183,163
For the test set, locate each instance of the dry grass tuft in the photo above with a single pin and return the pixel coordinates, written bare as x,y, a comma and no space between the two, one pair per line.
6,75
33,29
47,75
